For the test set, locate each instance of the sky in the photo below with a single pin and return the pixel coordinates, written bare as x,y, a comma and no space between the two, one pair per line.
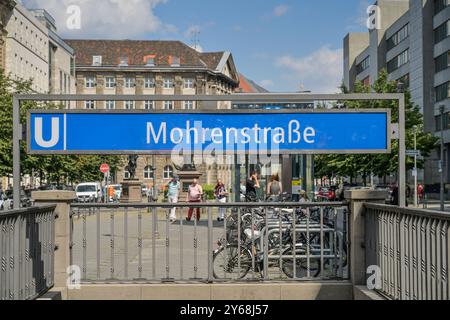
284,45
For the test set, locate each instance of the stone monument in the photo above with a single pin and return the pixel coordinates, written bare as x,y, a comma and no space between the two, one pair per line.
131,187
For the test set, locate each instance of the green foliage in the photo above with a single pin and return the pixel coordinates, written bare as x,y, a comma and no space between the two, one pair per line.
55,168
208,190
385,164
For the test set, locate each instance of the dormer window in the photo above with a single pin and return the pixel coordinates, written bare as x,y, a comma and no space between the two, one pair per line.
150,60
175,61
123,62
96,61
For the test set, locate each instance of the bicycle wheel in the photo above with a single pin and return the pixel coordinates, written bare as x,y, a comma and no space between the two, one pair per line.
226,263
301,265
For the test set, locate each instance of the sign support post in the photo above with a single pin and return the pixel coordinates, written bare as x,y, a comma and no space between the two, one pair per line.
17,132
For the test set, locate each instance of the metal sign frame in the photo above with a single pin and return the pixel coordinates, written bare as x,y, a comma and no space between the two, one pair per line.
266,98
213,112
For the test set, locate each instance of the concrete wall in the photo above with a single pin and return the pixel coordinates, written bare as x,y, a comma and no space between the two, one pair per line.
220,292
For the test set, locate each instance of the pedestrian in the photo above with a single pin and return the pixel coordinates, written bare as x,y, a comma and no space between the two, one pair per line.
420,191
274,188
251,185
173,194
111,194
220,192
194,195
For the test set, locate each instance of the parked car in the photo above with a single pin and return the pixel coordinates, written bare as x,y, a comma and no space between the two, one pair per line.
89,192
327,193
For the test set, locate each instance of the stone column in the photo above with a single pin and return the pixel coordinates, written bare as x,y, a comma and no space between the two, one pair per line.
357,255
62,199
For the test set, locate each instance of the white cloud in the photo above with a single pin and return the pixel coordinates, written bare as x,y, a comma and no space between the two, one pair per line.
106,18
320,72
280,10
266,83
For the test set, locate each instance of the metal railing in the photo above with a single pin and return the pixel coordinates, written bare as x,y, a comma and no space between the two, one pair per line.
412,248
256,242
27,238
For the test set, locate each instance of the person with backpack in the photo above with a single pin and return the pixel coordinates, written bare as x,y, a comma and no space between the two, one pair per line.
220,192
274,188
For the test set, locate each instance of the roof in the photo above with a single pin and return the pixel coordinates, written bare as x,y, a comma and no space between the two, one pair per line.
136,51
249,86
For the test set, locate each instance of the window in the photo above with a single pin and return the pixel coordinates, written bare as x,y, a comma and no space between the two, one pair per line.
149,82
176,62
189,105
126,173
398,37
440,5
363,65
129,82
189,83
150,61
123,62
110,105
168,83
442,62
97,61
168,172
90,104
89,81
168,105
441,32
129,105
398,61
149,105
442,92
110,82
148,172
446,122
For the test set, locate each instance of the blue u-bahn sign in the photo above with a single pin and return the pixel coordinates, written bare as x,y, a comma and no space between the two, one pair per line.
162,132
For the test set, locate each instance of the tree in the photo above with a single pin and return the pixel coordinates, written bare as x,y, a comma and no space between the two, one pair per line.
385,164
55,168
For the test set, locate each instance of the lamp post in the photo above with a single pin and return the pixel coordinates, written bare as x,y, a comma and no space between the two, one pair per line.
416,198
441,162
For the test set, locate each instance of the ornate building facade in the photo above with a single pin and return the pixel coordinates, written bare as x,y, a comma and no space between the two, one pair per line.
109,67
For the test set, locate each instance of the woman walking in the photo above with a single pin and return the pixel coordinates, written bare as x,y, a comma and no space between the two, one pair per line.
220,193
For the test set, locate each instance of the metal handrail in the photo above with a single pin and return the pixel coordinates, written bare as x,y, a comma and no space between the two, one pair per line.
137,242
409,211
210,205
27,246
411,249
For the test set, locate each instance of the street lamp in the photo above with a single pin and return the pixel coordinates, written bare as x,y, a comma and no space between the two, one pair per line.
416,198
441,162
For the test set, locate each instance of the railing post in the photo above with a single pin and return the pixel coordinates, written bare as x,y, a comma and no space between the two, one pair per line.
357,257
62,200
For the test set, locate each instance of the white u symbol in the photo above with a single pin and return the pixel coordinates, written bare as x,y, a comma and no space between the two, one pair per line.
39,136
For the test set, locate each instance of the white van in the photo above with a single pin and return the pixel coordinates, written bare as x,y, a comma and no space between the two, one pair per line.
89,192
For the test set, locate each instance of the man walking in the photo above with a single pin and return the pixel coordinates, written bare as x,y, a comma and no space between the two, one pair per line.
251,186
195,194
173,195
